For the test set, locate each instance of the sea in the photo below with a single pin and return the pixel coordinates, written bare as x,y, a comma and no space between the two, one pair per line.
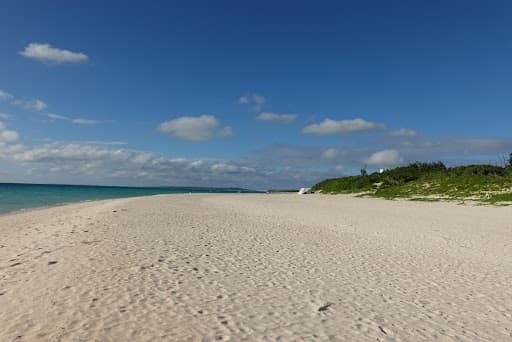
18,197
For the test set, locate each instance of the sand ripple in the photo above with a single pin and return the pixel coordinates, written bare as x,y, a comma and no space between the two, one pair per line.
256,267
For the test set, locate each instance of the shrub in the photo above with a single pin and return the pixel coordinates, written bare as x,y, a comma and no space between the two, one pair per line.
410,173
426,179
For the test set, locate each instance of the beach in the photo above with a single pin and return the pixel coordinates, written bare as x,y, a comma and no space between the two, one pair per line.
192,267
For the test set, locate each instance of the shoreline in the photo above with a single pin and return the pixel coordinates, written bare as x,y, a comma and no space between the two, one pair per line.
21,197
442,201
62,204
31,209
246,266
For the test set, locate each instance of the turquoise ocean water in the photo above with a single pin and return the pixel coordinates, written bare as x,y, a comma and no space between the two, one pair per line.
14,197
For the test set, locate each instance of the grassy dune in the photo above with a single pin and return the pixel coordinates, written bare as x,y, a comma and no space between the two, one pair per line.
428,182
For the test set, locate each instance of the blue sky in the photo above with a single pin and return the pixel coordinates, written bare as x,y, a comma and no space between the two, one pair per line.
249,94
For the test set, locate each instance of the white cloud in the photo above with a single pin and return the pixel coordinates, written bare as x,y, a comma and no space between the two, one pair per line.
88,142
47,53
195,128
404,132
225,132
257,101
5,96
384,158
5,116
276,166
7,136
84,121
330,153
58,153
57,116
221,168
328,127
107,143
77,121
283,118
35,104
72,162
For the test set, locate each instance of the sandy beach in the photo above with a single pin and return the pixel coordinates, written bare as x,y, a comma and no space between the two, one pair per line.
256,267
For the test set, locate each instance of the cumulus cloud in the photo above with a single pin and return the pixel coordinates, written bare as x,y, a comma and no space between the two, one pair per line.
47,53
69,153
77,121
283,118
6,135
329,127
272,167
5,116
194,128
404,132
276,166
88,162
257,101
99,164
384,158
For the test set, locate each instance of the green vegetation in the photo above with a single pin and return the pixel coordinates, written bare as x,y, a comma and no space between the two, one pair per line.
429,182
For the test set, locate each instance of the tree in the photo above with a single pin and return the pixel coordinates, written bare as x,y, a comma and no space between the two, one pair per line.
363,171
503,161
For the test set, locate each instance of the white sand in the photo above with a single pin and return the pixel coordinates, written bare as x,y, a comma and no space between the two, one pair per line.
255,267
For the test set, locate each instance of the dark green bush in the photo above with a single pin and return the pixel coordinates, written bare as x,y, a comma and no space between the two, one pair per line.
479,170
410,173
